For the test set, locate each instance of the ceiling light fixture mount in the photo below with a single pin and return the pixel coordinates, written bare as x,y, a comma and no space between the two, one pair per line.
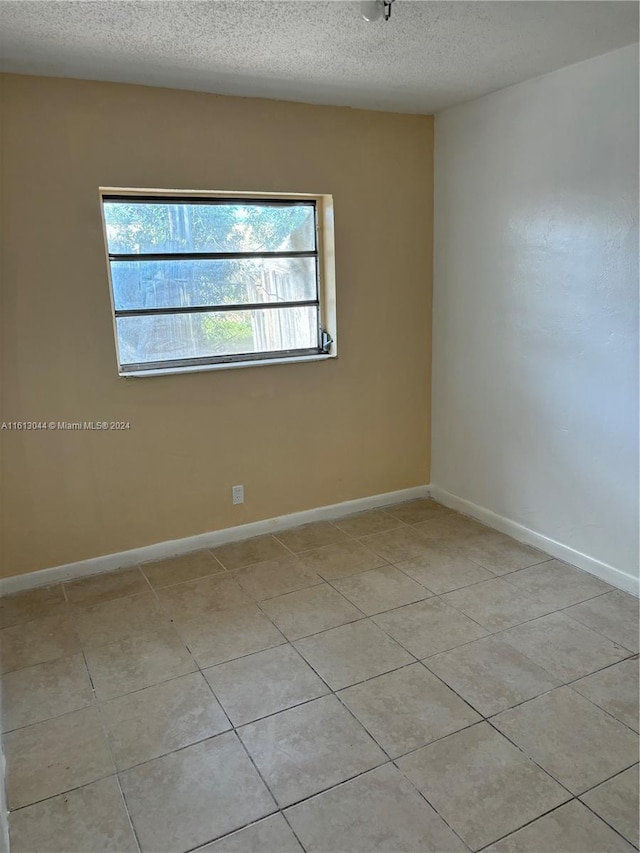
373,10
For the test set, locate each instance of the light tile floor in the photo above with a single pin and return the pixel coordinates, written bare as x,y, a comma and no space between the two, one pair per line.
403,680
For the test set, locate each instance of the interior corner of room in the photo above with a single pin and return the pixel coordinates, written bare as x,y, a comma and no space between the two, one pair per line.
319,426
515,398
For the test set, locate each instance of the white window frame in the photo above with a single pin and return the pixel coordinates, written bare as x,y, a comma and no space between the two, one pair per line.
325,247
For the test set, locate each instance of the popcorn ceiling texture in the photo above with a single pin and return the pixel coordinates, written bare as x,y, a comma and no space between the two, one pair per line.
431,55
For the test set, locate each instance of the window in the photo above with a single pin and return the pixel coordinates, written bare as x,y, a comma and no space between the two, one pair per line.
204,280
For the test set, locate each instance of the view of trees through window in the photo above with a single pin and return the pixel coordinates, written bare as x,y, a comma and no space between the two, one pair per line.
167,257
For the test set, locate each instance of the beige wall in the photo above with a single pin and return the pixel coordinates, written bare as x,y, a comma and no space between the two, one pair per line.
297,436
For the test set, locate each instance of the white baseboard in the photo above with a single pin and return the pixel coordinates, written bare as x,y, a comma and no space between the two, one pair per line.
173,547
615,577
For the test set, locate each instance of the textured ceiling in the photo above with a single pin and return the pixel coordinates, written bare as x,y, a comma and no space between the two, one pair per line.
429,56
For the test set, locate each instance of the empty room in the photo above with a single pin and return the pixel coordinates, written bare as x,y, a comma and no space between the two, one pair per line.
319,426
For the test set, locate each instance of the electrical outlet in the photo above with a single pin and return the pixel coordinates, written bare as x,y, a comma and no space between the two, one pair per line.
237,494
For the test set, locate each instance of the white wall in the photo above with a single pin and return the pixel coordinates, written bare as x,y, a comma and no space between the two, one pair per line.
535,383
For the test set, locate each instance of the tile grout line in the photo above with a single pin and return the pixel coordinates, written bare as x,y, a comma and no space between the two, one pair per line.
315,794
596,630
234,729
286,641
391,763
337,696
154,591
379,612
520,749
529,757
239,740
440,513
484,718
394,760
234,832
489,717
291,642
328,582
331,693
105,733
291,827
335,693
524,825
526,621
425,798
92,704
599,817
574,798
436,543
338,784
315,634
604,781
11,811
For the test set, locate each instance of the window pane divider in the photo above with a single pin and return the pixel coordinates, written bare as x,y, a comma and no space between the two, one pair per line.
209,256
220,359
201,309
204,199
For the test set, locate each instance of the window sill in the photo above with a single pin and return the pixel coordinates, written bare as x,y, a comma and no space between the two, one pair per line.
204,368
